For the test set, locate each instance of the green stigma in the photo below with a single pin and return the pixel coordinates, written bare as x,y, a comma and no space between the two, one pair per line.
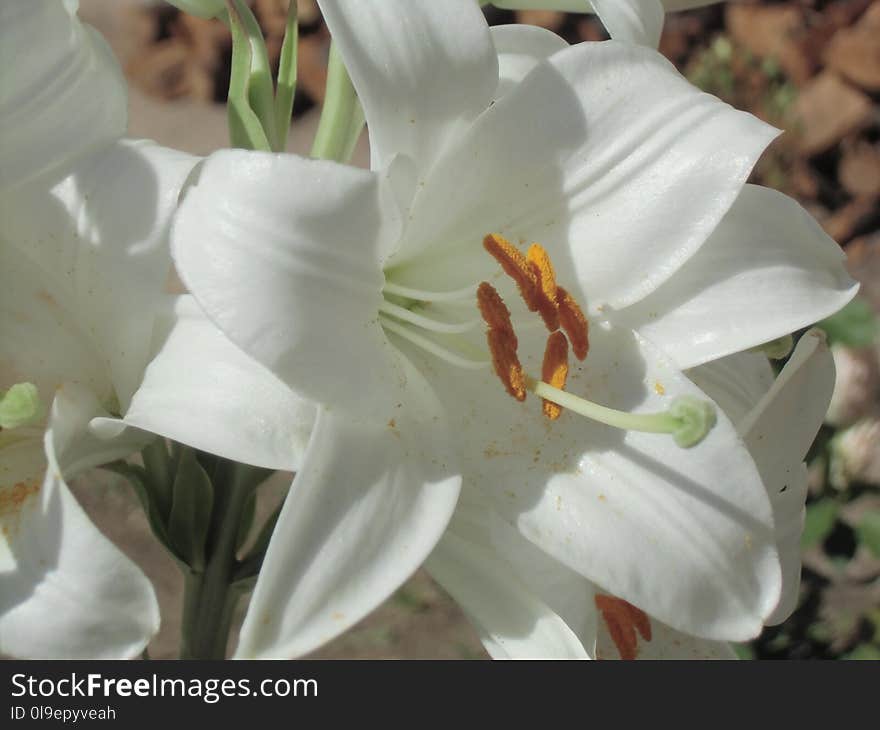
20,406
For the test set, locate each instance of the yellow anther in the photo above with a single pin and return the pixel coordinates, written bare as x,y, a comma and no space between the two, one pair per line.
623,620
506,363
516,266
554,370
545,293
502,340
574,323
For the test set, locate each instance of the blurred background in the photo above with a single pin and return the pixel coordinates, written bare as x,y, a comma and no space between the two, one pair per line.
810,67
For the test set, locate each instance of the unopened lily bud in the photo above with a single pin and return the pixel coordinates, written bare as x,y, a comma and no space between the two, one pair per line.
856,386
854,454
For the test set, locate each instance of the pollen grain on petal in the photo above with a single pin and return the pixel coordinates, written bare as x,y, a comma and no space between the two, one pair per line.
573,321
506,363
542,267
623,621
554,370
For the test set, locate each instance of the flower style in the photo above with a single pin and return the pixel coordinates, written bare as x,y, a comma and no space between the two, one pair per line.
359,289
525,604
84,262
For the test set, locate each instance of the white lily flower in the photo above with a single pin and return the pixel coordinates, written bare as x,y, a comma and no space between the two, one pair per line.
632,21
358,289
84,263
525,604
46,125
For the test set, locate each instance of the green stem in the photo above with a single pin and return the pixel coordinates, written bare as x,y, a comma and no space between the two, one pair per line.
341,116
209,602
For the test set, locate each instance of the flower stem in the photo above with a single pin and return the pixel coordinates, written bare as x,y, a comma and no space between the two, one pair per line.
341,117
209,601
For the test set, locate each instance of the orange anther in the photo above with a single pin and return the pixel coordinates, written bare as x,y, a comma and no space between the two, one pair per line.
516,266
623,620
554,370
506,362
539,261
574,323
494,310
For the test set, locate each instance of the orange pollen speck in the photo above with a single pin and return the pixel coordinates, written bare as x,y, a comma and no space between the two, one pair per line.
574,323
623,620
517,267
539,260
554,370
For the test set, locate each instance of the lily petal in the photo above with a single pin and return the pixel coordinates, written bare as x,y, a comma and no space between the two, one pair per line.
736,382
633,21
520,48
767,270
779,432
686,535
65,590
491,586
583,181
63,94
312,277
666,643
393,51
201,390
367,507
101,237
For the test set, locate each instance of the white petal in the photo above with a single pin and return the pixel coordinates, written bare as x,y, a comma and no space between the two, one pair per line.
492,587
520,48
201,390
368,505
283,253
633,21
42,342
65,590
62,96
766,271
617,170
422,70
101,238
779,432
665,643
736,382
684,534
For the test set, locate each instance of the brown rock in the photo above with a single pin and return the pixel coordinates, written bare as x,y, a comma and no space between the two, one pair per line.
844,223
827,110
777,32
859,169
855,52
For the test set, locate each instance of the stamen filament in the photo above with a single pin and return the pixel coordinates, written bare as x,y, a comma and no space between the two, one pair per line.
688,419
395,310
429,296
430,346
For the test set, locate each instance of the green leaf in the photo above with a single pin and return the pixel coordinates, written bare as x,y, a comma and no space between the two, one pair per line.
247,521
868,532
137,478
855,325
245,127
819,522
342,117
285,85
864,652
192,502
159,473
